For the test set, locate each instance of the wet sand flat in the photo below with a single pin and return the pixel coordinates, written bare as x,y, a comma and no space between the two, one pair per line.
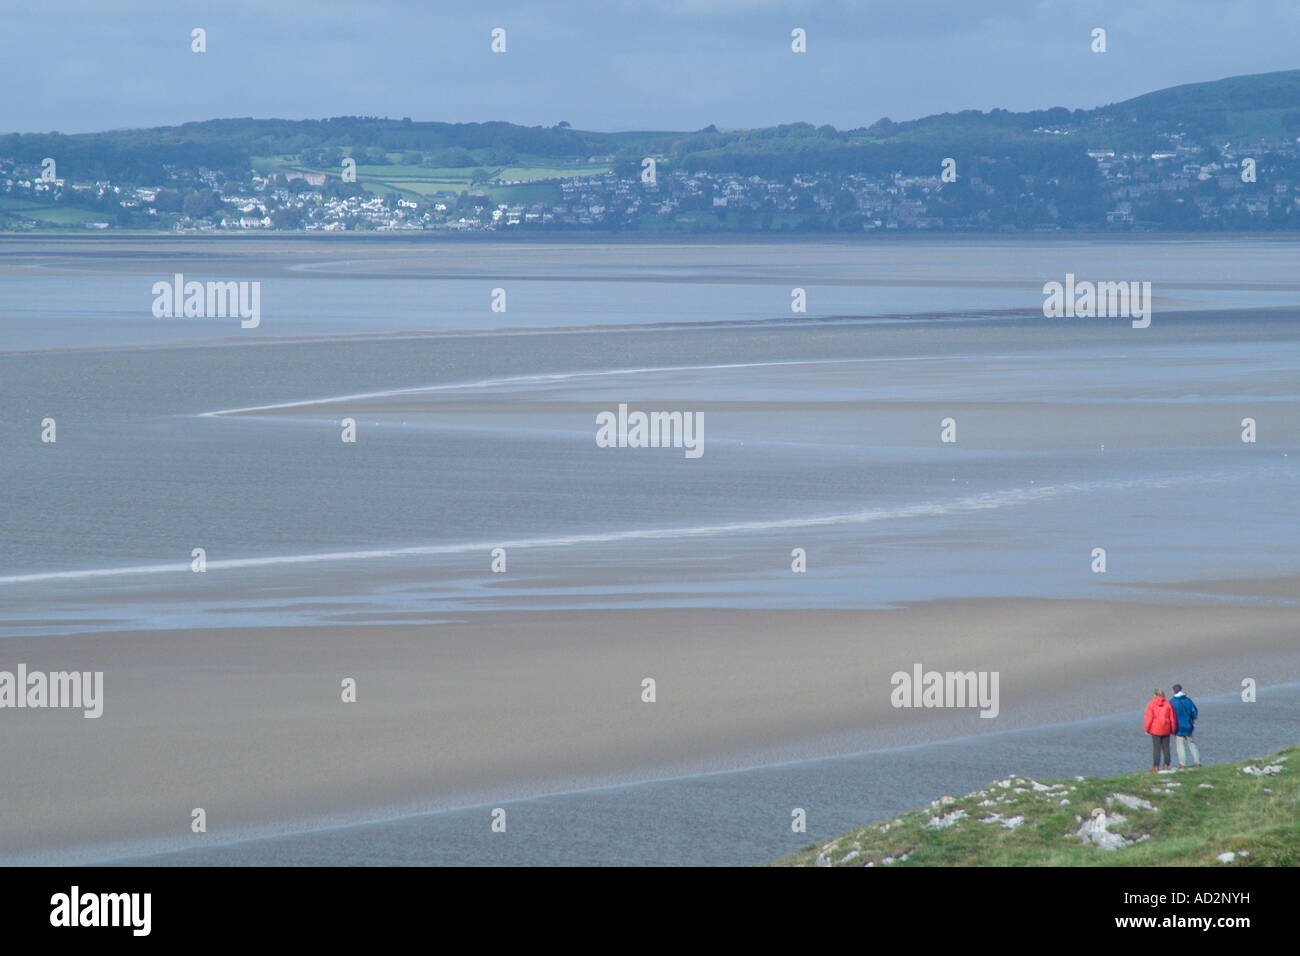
249,724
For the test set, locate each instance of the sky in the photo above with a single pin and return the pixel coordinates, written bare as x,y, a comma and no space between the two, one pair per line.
88,65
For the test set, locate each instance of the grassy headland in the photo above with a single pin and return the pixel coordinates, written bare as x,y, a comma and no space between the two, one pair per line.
1189,818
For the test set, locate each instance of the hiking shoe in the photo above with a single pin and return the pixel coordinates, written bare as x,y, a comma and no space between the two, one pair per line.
1155,769
1181,767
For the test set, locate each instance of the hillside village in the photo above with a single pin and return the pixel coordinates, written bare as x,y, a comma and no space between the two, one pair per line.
1133,192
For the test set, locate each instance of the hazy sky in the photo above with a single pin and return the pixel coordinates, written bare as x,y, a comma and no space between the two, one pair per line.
79,65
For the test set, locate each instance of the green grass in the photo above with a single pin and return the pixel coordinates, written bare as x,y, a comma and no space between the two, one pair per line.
394,172
536,183
1190,825
532,173
273,164
60,214
407,181
426,187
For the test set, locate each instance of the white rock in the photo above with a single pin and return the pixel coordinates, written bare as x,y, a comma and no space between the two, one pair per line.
945,821
1206,786
1009,822
1133,803
1227,857
1094,830
1272,770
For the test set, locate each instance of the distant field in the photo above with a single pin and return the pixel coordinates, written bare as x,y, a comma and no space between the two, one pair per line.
60,215
533,173
423,181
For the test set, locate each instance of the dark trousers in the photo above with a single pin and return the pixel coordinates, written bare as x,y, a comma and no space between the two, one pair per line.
1159,746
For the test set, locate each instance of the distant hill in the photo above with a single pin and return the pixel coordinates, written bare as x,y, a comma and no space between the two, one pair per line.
1262,106
1237,97
1217,157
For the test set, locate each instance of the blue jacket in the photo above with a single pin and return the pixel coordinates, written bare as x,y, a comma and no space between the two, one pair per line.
1185,710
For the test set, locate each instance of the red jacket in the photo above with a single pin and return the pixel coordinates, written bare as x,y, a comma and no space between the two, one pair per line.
1161,721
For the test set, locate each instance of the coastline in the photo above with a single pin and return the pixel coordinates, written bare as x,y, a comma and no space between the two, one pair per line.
502,705
739,817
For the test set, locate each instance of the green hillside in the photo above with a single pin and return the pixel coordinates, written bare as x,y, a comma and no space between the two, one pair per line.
454,155
1241,814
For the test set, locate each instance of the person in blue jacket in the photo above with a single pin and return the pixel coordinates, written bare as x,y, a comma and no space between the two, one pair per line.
1185,711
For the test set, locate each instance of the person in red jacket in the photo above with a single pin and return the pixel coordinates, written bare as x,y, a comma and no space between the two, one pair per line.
1160,722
